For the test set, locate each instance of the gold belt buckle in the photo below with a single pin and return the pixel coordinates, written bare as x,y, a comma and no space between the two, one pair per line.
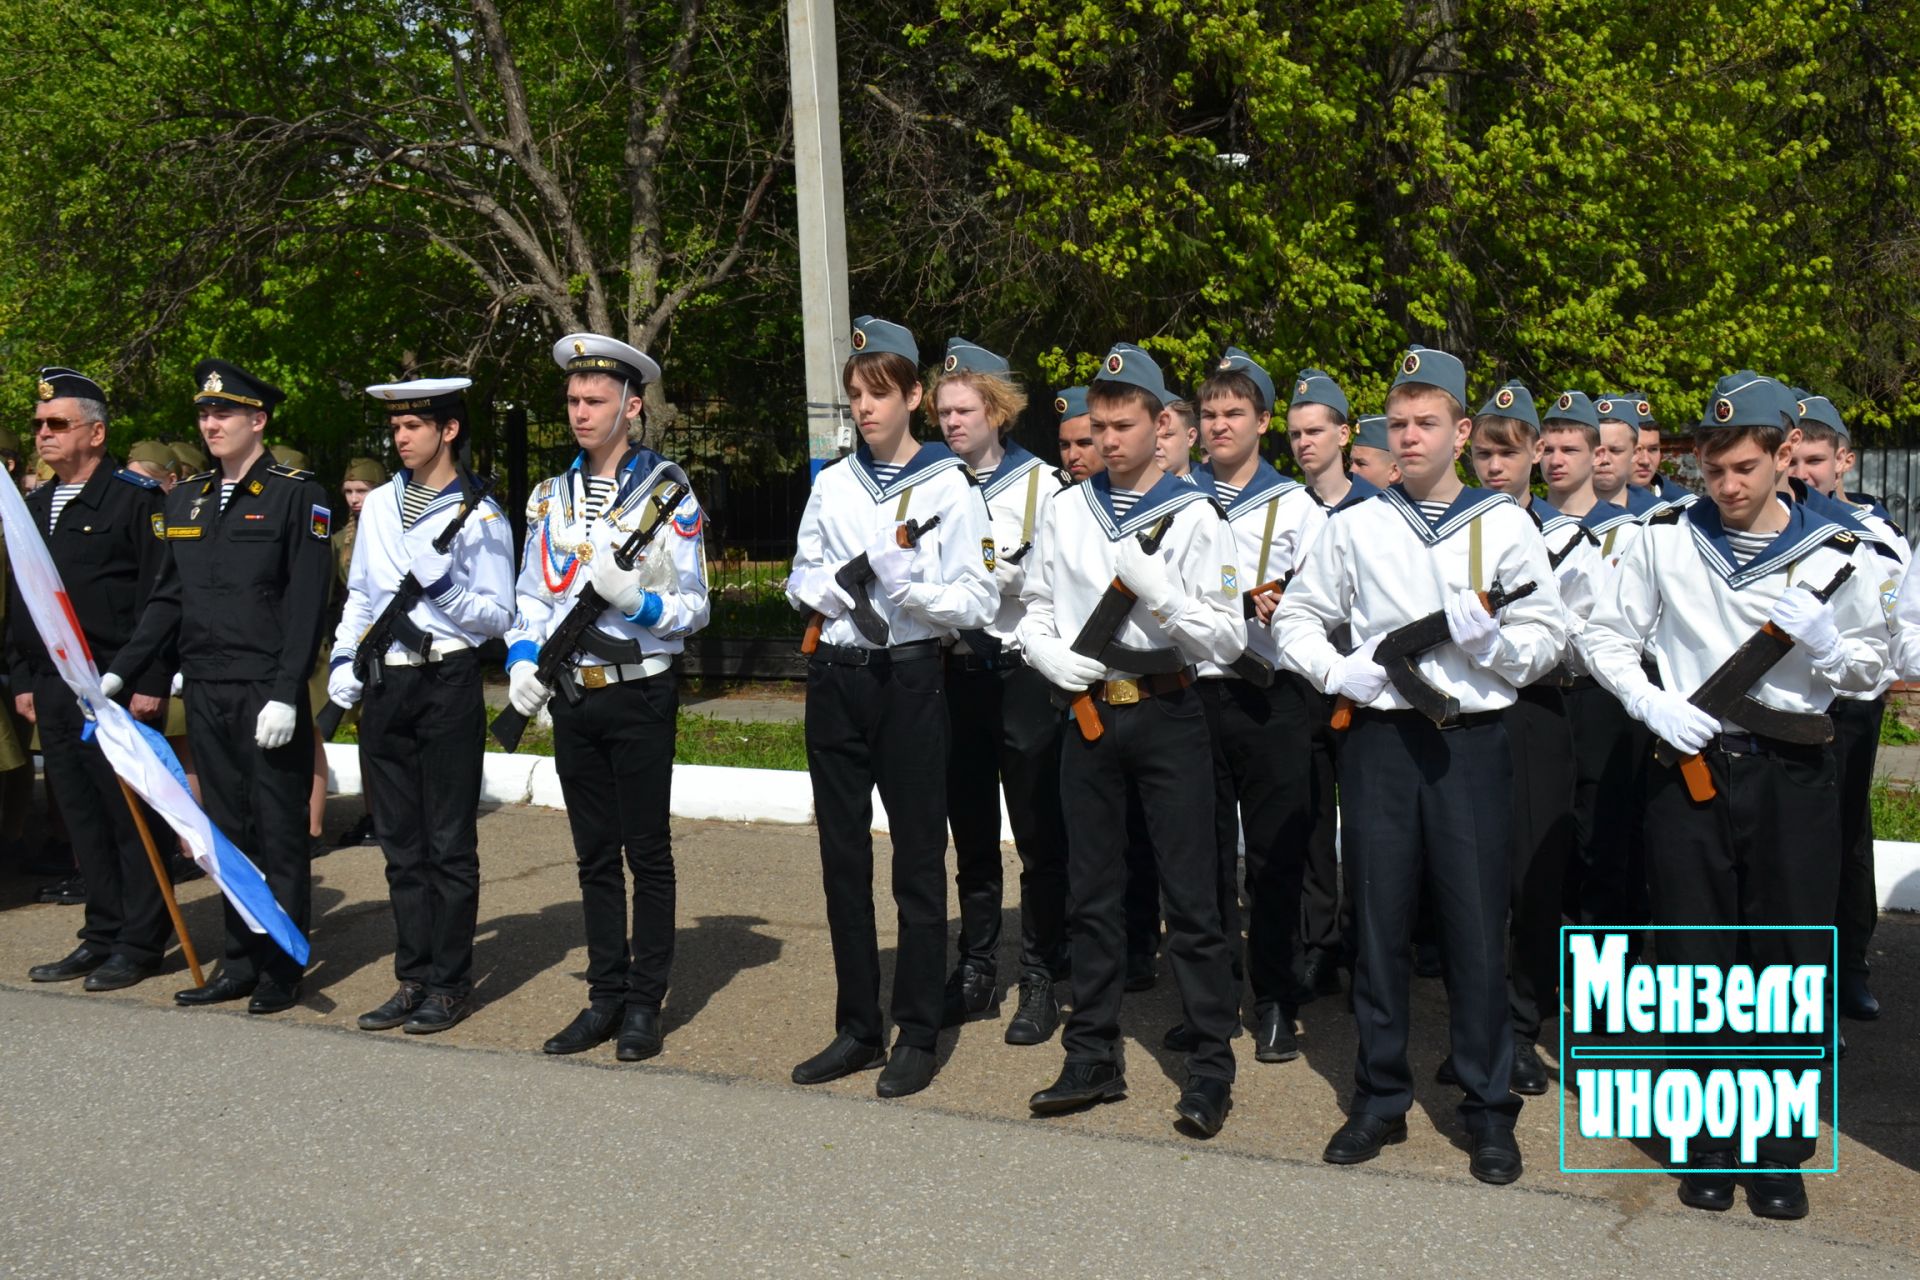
1122,693
593,677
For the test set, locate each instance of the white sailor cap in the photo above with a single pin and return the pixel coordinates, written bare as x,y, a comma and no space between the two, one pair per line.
592,353
422,395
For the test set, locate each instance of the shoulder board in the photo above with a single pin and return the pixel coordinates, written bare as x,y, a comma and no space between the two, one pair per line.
1064,480
1345,507
291,473
135,479
1665,515
198,475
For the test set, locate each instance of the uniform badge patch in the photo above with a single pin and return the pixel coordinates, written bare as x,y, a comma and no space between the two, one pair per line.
321,526
256,488
987,553
159,525
1229,579
1889,597
184,531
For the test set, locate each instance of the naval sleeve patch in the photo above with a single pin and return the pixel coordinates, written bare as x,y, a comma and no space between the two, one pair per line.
321,526
987,553
159,523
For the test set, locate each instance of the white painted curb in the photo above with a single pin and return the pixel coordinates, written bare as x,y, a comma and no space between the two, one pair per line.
786,796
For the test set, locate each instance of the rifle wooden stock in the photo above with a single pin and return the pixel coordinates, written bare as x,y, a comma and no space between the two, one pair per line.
1699,779
906,537
811,639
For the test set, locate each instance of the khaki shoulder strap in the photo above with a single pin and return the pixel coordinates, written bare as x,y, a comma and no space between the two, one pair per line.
900,512
1266,540
1475,577
1033,496
650,515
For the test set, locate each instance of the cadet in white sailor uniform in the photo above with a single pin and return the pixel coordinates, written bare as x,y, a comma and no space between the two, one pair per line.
423,724
1006,730
876,714
1764,848
1181,607
1421,801
1261,726
613,749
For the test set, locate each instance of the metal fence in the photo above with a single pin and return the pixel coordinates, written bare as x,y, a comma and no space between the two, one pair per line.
1891,473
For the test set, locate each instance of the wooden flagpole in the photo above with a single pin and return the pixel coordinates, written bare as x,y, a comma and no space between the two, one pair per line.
166,883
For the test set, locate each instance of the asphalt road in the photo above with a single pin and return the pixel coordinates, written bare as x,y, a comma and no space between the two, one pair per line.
142,1142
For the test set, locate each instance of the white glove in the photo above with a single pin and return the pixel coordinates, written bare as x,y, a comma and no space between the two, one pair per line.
1054,659
343,687
274,727
1145,574
1008,575
179,683
1800,614
1473,628
111,684
526,690
1357,677
816,586
892,566
1675,720
657,573
619,587
430,566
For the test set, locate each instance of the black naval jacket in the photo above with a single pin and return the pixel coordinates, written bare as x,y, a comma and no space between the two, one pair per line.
244,590
109,563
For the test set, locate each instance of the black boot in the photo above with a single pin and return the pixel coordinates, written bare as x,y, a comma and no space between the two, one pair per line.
1039,1013
592,1026
1708,1181
972,992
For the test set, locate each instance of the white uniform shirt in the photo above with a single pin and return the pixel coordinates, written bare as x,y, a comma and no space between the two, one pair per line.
1018,495
1381,565
1575,556
1679,595
1273,520
553,571
471,605
1877,529
1073,563
950,588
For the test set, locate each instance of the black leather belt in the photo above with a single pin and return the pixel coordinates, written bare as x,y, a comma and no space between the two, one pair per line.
849,655
959,659
1754,744
1465,720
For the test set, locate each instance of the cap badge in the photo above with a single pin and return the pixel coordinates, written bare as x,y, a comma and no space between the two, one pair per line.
1059,404
1565,401
579,348
1504,397
1604,406
1115,363
1411,364
952,363
1300,388
859,339
45,389
1644,409
1802,407
1722,409
213,383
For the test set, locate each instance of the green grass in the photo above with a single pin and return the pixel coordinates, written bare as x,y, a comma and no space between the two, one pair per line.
698,740
1896,813
1895,732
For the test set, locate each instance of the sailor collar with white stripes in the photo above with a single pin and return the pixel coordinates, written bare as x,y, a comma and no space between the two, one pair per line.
1165,496
1604,516
1013,468
638,473
1805,530
1266,485
930,459
404,481
1549,518
1466,506
1359,489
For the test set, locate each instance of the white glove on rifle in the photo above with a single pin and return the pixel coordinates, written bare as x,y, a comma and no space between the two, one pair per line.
1357,677
526,690
892,565
657,573
1674,720
619,587
111,684
1472,627
1008,575
1811,623
274,726
343,687
817,588
1145,574
430,566
1064,669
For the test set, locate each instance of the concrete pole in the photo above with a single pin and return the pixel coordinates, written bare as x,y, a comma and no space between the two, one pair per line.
814,66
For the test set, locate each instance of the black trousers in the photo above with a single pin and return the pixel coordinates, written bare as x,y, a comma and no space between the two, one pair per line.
259,800
1326,911
1005,733
1856,744
1543,781
1159,746
422,739
1764,851
125,912
1417,804
1263,785
1142,894
614,755
885,726
1608,882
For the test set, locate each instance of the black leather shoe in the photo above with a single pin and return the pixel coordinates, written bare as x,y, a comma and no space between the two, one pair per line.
1039,1013
908,1070
1444,1073
1081,1084
592,1026
640,1036
274,997
359,833
438,1012
1495,1157
400,1006
220,991
1529,1073
120,972
71,892
1361,1137
1180,1039
1777,1192
1205,1104
1320,976
1708,1182
1273,1040
841,1058
77,963
1856,1001
972,992
1142,971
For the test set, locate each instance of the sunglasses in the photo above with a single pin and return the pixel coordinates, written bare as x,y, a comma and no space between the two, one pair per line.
58,425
